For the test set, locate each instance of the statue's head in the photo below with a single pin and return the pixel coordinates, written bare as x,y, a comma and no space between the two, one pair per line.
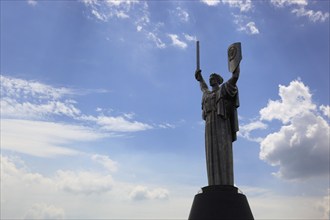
215,79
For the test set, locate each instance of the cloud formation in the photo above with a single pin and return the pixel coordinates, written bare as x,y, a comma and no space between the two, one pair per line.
44,211
243,5
143,193
83,182
32,195
27,112
245,24
300,9
44,139
300,148
177,42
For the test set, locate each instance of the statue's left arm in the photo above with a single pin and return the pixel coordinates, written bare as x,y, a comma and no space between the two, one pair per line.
232,92
235,76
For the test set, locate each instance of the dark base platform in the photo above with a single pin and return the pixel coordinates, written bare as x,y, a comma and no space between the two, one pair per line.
220,202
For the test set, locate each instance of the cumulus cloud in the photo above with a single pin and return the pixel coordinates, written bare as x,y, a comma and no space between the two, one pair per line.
301,147
296,99
325,110
30,194
77,182
143,193
83,182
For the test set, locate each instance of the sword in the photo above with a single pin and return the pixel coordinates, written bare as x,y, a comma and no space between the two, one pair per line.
197,56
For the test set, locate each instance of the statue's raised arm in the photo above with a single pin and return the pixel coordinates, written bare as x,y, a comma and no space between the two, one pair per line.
199,78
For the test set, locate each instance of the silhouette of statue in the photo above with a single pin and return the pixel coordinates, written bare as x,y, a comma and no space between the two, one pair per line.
219,107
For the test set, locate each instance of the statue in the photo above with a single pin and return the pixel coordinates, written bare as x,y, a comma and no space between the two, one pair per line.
219,110
220,199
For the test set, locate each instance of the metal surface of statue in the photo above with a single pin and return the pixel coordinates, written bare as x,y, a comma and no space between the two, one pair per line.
219,107
220,200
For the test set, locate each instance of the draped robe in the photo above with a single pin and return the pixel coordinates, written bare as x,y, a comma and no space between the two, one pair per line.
221,124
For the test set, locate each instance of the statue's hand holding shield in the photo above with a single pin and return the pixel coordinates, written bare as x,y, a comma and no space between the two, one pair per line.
234,56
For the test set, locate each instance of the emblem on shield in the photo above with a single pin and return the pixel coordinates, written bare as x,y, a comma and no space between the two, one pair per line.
234,56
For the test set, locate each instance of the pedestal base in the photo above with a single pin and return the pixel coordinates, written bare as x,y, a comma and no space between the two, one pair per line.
220,202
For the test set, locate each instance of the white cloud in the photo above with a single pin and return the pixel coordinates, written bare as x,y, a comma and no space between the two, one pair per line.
32,2
182,14
190,37
27,108
300,9
267,204
282,3
20,88
32,109
301,147
159,43
117,124
244,24
105,10
243,5
30,99
295,99
166,125
43,139
143,193
76,194
105,161
99,15
23,99
83,182
211,2
324,205
245,130
251,28
314,16
44,211
325,110
177,42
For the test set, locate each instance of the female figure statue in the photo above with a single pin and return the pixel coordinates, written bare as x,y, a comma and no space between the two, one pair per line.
219,108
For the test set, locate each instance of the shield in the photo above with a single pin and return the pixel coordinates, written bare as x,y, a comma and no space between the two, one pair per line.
234,56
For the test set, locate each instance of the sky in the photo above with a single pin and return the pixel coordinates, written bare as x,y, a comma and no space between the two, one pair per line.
101,112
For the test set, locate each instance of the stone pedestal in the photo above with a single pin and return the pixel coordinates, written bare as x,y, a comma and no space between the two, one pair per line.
220,202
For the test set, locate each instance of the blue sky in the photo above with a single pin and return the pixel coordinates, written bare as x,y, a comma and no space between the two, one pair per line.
101,113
